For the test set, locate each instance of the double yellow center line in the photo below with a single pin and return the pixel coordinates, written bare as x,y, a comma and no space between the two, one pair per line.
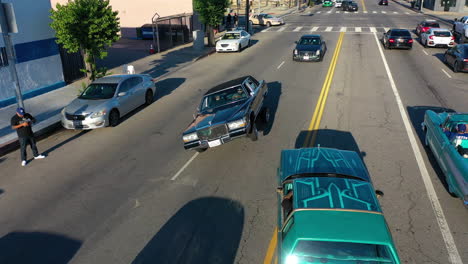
311,135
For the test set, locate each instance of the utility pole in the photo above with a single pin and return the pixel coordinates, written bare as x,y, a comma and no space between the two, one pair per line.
247,15
7,26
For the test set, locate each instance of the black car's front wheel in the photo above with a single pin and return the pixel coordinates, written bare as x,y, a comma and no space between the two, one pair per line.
148,97
253,132
265,115
114,118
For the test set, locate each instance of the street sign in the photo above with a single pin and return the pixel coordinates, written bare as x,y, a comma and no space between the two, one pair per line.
9,19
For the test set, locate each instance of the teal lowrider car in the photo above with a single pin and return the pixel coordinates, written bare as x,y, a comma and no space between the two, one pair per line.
327,3
329,211
438,128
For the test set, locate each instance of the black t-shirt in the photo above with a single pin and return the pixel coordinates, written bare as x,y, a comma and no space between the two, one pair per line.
23,131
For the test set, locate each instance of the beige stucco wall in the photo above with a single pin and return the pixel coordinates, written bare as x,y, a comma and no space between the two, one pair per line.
135,13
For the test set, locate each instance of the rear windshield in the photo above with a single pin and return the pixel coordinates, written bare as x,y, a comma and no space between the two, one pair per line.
431,24
400,33
341,252
442,34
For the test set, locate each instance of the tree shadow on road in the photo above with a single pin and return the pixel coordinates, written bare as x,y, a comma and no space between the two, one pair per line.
205,230
416,115
37,247
272,102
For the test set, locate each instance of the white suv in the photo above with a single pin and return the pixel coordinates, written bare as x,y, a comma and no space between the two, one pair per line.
338,3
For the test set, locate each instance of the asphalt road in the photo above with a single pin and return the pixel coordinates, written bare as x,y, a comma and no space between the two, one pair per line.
118,195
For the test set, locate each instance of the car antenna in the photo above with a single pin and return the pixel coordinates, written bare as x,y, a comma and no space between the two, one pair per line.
318,145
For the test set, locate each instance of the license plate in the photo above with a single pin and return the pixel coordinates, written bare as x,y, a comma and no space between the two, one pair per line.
77,124
214,143
306,57
401,40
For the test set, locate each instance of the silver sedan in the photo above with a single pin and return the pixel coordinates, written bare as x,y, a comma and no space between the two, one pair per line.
107,99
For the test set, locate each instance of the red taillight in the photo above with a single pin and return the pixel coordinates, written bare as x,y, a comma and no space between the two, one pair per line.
424,29
391,40
465,60
453,38
431,37
410,41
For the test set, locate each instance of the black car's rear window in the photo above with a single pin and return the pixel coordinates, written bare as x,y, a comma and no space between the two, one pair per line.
442,34
400,33
310,41
431,24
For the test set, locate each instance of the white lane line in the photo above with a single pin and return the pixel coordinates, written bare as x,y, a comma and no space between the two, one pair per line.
185,166
446,73
343,29
328,29
280,65
281,29
372,29
314,29
452,250
357,29
297,29
425,52
386,29
346,12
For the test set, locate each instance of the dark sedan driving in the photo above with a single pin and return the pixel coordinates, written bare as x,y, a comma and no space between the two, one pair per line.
309,48
457,58
397,38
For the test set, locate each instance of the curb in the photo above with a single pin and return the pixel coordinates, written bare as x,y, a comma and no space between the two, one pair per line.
210,52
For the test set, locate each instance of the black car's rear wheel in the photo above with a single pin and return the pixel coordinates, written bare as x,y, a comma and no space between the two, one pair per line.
455,67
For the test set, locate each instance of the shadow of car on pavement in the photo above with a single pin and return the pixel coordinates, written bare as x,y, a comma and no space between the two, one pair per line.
37,247
271,101
416,115
205,230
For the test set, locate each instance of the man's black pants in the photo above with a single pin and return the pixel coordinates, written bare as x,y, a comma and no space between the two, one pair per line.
24,142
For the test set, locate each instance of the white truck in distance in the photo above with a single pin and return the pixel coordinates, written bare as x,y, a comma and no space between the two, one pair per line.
461,27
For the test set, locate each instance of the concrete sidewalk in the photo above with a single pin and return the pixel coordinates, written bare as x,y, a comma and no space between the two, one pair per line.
443,16
47,107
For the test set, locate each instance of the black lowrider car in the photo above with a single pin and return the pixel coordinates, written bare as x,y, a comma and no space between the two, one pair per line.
397,38
309,48
228,111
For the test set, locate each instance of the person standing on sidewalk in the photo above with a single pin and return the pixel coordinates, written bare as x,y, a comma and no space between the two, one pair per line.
228,21
22,122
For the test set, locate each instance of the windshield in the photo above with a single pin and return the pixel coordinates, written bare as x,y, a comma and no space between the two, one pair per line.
97,91
431,24
341,252
231,36
309,41
268,16
400,33
223,97
442,33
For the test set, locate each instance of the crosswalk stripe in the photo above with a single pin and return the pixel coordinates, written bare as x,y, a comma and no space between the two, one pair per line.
281,29
365,12
319,12
407,13
343,29
314,29
346,12
329,12
386,29
357,29
297,29
328,29
372,29
357,12
337,12
395,12
374,12
383,12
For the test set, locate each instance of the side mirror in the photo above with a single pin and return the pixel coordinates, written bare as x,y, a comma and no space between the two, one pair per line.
296,42
455,20
279,189
121,94
379,193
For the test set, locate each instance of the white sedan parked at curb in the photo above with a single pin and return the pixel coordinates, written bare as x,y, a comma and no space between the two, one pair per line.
234,40
437,37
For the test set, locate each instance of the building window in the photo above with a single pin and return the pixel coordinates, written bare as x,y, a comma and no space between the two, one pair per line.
3,57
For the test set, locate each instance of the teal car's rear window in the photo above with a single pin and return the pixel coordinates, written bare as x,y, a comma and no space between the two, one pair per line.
334,193
308,251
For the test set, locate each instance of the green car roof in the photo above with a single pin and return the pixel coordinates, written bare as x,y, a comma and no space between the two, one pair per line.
321,160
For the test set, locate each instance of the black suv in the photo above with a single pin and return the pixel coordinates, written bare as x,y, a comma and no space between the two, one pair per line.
397,38
348,5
